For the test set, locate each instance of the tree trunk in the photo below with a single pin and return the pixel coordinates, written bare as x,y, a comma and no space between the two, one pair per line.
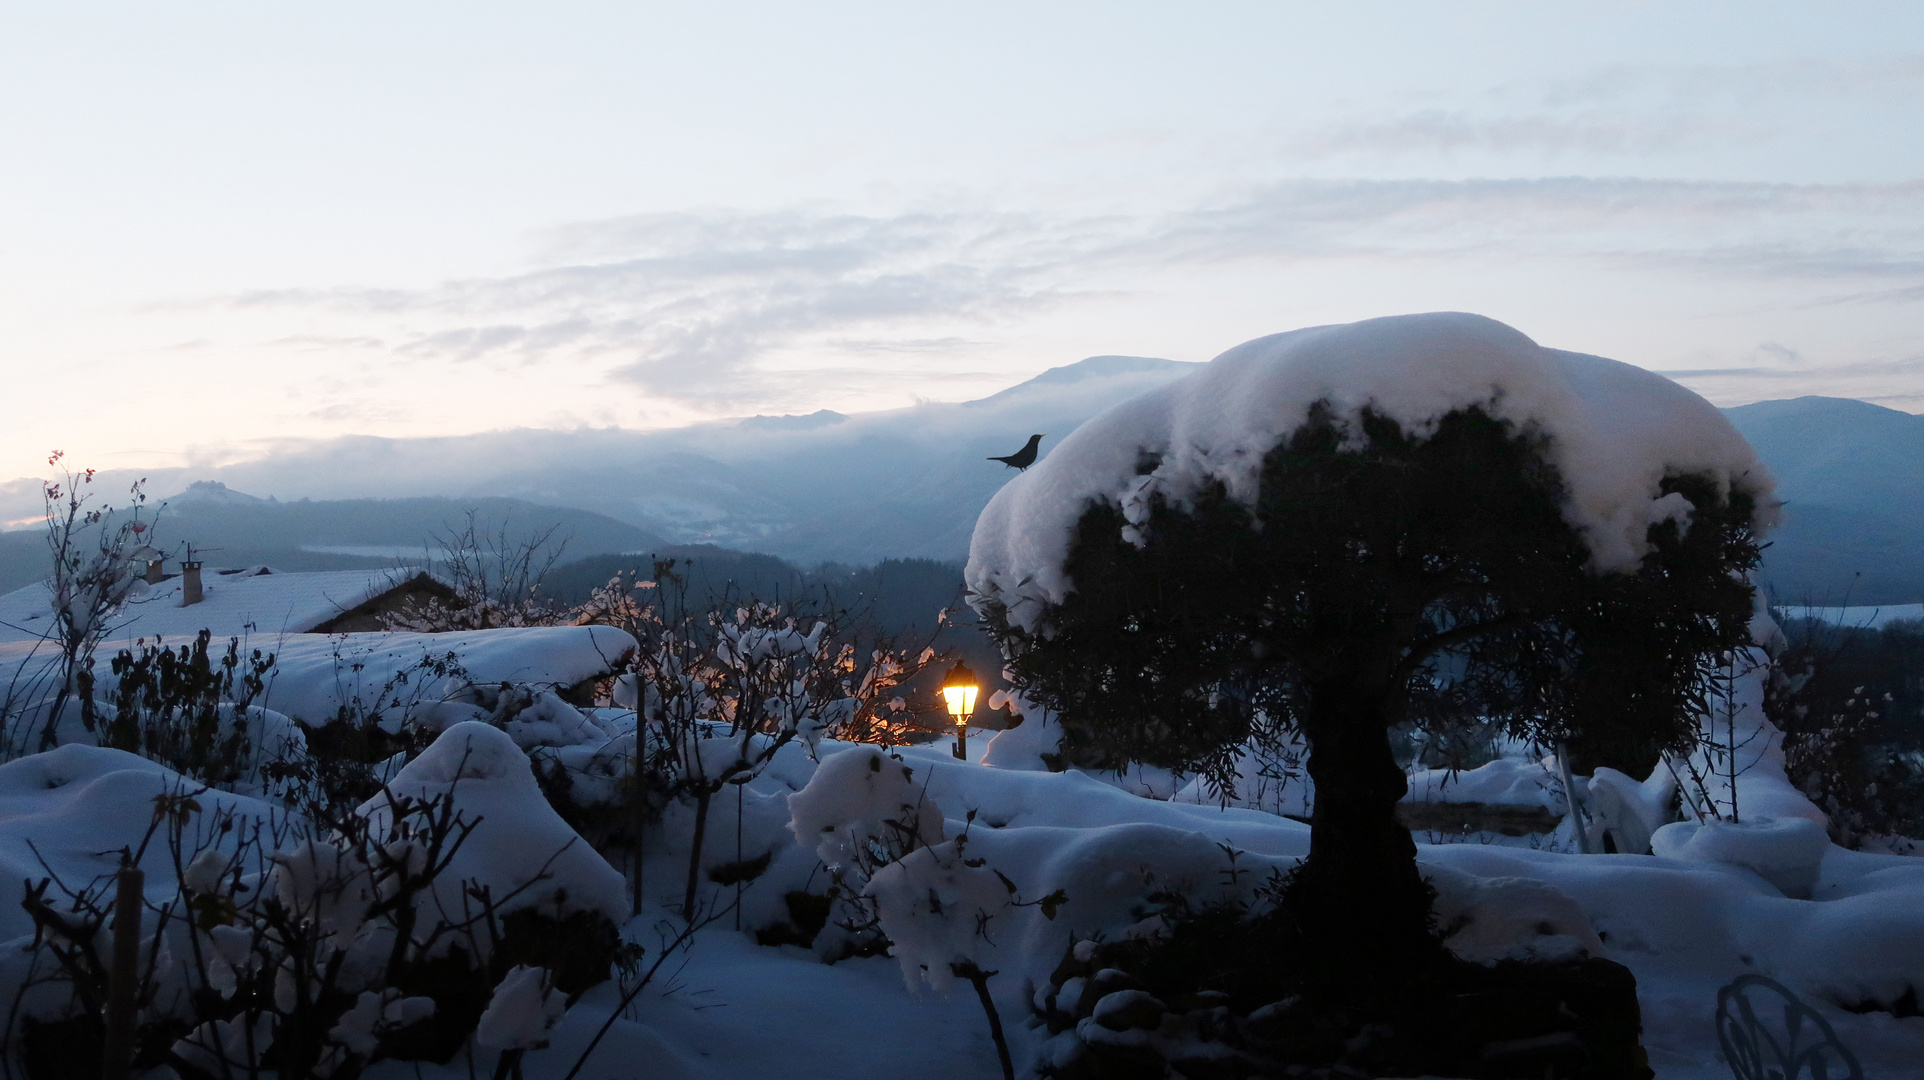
1363,907
694,853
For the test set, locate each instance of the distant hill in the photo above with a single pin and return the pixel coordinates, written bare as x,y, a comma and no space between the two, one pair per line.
908,484
1852,478
231,528
824,487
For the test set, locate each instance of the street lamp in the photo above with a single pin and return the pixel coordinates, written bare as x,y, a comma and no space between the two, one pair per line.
959,689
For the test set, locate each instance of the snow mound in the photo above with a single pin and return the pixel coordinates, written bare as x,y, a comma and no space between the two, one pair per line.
492,783
317,676
1615,430
1030,742
77,806
1510,918
1507,781
859,797
938,911
1785,851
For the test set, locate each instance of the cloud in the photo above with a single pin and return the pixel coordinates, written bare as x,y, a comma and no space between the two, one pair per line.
703,307
1432,131
1786,373
1908,367
1619,111
1888,79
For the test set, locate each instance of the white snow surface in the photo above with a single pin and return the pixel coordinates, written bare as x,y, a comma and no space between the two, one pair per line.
522,1011
1787,852
77,807
254,603
1616,431
1684,927
318,674
518,837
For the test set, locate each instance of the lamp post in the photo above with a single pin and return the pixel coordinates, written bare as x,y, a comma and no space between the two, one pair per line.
959,689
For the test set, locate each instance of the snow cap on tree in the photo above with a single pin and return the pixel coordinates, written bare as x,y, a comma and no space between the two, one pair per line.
1615,431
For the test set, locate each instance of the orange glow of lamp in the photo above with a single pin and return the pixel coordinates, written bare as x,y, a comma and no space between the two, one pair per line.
959,690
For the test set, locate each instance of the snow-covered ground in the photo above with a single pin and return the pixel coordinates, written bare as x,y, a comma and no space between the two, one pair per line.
733,1008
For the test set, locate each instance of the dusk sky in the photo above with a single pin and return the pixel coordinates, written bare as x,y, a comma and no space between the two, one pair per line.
223,224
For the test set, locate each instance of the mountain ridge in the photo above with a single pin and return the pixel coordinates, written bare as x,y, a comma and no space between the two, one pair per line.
908,483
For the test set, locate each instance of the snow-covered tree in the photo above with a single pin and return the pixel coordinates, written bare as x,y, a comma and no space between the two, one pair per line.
1423,520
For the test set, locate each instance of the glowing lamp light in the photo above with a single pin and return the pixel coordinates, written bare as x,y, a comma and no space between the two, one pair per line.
959,690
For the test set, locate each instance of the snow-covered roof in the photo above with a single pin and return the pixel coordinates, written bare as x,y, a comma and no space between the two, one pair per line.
1615,432
317,674
254,603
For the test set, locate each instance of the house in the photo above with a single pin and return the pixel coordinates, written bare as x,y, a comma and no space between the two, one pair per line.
256,604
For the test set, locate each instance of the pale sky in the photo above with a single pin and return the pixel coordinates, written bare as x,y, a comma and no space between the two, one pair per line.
223,224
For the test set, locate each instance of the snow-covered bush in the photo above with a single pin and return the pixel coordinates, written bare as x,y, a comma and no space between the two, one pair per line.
719,696
1850,702
938,908
861,811
189,708
192,710
313,948
97,555
492,581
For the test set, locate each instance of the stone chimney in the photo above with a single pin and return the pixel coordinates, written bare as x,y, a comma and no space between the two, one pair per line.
190,593
156,571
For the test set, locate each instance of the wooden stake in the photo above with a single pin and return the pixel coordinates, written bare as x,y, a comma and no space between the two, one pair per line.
123,980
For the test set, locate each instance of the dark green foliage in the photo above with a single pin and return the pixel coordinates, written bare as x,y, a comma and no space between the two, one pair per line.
1381,578
578,949
1438,572
1850,702
807,913
186,707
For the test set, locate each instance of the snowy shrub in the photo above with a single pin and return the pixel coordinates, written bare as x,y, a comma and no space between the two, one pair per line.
1851,706
96,560
719,697
314,948
189,708
860,812
193,712
938,909
1032,741
493,581
372,732
1510,918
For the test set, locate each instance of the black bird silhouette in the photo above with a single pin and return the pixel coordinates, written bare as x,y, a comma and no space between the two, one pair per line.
1023,458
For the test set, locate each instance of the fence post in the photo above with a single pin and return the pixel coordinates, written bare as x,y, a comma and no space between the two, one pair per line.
123,979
